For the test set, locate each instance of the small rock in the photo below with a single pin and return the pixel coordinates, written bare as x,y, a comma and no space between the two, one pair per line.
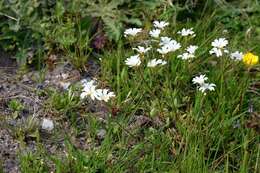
65,85
101,134
40,86
47,124
64,75
25,78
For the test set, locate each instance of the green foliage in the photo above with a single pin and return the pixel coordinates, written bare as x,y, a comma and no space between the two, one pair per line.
44,26
186,131
26,129
65,102
1,167
16,107
31,162
205,123
17,17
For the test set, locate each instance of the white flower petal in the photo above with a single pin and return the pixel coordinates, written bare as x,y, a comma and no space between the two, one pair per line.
186,32
132,31
155,33
237,56
220,43
155,62
160,24
199,79
133,61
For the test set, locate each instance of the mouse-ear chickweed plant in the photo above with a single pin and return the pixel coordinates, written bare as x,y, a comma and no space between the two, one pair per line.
164,62
197,83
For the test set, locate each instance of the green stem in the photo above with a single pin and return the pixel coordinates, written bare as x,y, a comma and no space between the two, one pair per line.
150,89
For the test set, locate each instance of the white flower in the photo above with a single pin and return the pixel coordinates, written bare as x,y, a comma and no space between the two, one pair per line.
155,62
238,56
89,89
220,43
218,52
173,45
168,45
186,32
189,54
164,50
219,47
155,33
199,79
132,31
186,56
133,61
47,124
207,86
104,94
191,49
141,49
203,86
160,24
165,41
169,48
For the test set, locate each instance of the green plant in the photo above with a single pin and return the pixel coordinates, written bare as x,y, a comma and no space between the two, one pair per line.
31,162
16,107
203,123
18,20
27,128
65,102
1,167
161,121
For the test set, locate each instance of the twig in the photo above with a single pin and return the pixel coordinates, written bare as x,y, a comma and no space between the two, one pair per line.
10,17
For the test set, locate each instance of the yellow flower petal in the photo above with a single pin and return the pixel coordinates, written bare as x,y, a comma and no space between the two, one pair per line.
250,59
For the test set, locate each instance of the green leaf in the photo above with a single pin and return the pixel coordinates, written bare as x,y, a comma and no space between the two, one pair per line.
59,10
113,29
134,21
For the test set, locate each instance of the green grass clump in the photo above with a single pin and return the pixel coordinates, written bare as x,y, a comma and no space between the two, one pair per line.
159,120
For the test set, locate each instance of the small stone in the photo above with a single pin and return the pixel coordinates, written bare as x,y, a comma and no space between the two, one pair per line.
65,85
40,86
101,134
64,75
47,124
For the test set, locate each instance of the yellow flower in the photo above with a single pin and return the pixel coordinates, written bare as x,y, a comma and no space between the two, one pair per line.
250,59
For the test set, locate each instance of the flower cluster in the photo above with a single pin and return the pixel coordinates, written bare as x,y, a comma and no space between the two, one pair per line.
89,89
219,48
203,86
166,45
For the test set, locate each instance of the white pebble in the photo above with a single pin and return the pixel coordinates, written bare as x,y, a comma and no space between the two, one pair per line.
47,124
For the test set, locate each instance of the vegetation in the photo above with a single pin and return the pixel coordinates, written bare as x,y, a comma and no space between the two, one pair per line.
153,119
